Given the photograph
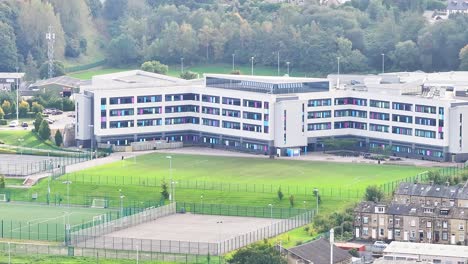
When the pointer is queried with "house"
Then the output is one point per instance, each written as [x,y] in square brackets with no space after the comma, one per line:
[432,253]
[432,194]
[9,80]
[457,6]
[317,252]
[411,222]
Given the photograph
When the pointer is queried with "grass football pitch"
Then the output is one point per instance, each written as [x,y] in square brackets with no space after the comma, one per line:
[226,180]
[42,222]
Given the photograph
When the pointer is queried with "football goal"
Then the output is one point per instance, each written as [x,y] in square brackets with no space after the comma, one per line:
[3,197]
[100,203]
[99,219]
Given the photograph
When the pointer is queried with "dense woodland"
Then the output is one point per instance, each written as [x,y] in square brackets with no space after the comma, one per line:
[309,36]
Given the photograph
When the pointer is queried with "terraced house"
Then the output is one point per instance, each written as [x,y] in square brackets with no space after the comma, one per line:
[419,213]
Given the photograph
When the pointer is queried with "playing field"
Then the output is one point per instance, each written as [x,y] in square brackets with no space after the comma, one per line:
[42,222]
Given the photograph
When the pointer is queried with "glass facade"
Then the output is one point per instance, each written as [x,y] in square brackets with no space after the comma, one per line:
[319,102]
[350,113]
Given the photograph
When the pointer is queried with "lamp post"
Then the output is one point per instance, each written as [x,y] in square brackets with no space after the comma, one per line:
[304,204]
[219,223]
[170,176]
[317,198]
[252,70]
[201,201]
[383,62]
[137,255]
[287,63]
[182,65]
[121,196]
[278,63]
[51,168]
[91,134]
[332,241]
[271,212]
[9,253]
[20,140]
[233,56]
[17,95]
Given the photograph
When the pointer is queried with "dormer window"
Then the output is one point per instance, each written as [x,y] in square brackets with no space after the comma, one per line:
[380,209]
[428,210]
[444,212]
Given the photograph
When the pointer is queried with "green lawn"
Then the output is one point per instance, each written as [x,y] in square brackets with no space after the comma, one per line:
[29,139]
[174,70]
[20,259]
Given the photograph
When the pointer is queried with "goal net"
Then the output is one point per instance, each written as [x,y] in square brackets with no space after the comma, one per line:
[99,203]
[99,219]
[3,197]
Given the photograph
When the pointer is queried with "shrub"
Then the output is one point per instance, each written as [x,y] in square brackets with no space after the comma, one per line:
[164,188]
[188,75]
[38,121]
[280,194]
[2,182]
[3,122]
[374,194]
[23,108]
[2,114]
[37,107]
[44,130]
[58,138]
[291,200]
[155,66]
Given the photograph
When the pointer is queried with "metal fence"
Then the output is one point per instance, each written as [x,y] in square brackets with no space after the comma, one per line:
[18,230]
[95,237]
[29,249]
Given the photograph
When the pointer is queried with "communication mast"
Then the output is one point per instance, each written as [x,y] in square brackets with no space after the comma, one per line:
[50,37]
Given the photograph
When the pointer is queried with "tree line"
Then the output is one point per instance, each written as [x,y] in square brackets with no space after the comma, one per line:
[310,36]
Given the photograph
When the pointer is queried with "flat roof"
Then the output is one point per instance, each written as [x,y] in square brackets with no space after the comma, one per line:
[267,79]
[426,249]
[9,75]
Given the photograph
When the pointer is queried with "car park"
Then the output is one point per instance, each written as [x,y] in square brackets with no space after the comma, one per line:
[14,123]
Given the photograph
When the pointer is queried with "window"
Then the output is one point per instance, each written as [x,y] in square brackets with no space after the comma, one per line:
[379,116]
[444,224]
[397,232]
[181,97]
[121,112]
[182,109]
[461,227]
[210,110]
[121,100]
[149,110]
[210,99]
[365,231]
[413,234]
[444,236]
[103,101]
[379,128]
[231,101]
[318,114]
[397,221]
[149,99]
[121,124]
[381,209]
[402,119]
[319,102]
[350,124]
[424,133]
[381,231]
[379,104]
[231,113]
[210,122]
[429,152]
[425,121]
[182,120]
[231,125]
[319,126]
[425,109]
[352,113]
[413,223]
[402,106]
[251,127]
[251,115]
[365,220]
[428,224]
[252,103]
[402,131]
[350,101]
[149,122]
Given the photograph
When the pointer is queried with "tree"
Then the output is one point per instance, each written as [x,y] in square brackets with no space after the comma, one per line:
[155,66]
[164,189]
[374,194]
[44,130]
[58,138]
[406,56]
[114,9]
[23,109]
[122,50]
[188,75]
[95,7]
[2,114]
[37,108]
[6,106]
[2,182]
[280,194]
[464,58]
[59,70]
[259,253]
[291,200]
[8,51]
[32,73]
[38,122]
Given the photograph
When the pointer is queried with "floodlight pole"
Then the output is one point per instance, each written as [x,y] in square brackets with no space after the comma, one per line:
[121,202]
[252,69]
[383,62]
[201,199]
[9,253]
[17,95]
[287,63]
[137,255]
[332,241]
[278,63]
[233,56]
[317,198]
[171,198]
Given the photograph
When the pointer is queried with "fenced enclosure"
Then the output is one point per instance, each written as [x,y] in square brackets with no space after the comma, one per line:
[22,249]
[21,165]
[157,230]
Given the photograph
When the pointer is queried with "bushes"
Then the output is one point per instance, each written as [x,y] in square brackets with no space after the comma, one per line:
[3,122]
[44,130]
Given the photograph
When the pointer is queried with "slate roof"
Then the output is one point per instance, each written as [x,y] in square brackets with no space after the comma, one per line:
[66,81]
[318,252]
[428,190]
[457,5]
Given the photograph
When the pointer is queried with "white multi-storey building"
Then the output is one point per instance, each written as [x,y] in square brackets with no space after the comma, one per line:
[413,114]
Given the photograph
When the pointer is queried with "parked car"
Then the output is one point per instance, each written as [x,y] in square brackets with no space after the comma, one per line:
[24,124]
[50,121]
[14,123]
[380,244]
